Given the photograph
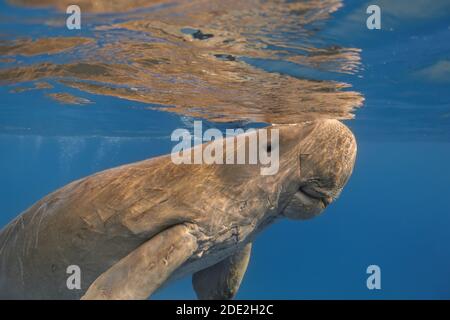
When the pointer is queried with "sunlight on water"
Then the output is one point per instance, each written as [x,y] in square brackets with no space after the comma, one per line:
[189,58]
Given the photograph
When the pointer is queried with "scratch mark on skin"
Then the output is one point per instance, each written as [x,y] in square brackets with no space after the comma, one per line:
[8,235]
[41,211]
[38,211]
[21,270]
[235,233]
[333,148]
[38,230]
[151,266]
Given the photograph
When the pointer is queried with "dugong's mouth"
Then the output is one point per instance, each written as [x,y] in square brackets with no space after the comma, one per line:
[307,202]
[309,194]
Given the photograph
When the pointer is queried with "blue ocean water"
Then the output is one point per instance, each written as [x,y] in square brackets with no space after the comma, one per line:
[394,212]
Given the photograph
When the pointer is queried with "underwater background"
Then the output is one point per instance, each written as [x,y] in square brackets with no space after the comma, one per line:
[74,102]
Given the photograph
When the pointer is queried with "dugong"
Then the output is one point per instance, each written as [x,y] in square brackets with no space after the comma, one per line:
[132,229]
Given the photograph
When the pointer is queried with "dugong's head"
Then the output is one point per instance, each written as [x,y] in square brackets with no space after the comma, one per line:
[325,153]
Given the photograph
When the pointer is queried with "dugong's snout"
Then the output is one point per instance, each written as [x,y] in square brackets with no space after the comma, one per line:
[326,158]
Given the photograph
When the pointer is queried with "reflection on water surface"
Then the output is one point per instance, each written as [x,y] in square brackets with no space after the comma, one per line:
[195,58]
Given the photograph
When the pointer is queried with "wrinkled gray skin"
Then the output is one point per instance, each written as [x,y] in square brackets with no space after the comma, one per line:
[133,228]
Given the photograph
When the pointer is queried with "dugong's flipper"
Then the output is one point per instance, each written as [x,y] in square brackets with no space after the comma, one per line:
[141,272]
[222,280]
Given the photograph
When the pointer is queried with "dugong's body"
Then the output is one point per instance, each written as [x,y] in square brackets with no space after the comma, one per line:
[132,228]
